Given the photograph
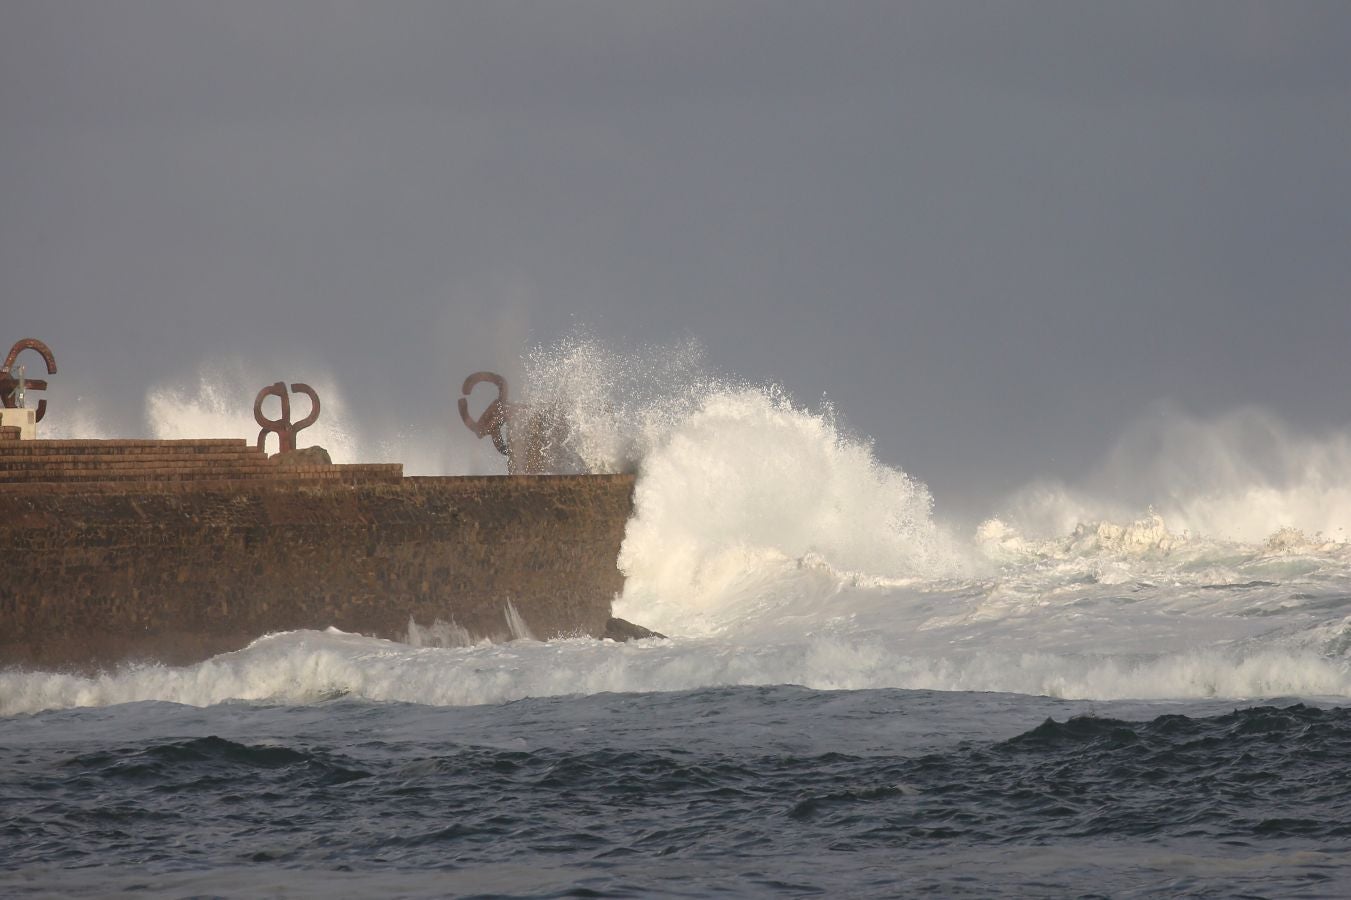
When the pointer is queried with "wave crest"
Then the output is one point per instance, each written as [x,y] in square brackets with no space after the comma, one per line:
[1241,476]
[751,501]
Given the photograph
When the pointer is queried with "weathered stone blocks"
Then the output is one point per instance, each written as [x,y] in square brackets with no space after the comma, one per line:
[174,570]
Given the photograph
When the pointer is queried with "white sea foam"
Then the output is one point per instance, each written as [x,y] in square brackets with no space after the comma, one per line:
[608,408]
[1240,476]
[306,667]
[749,490]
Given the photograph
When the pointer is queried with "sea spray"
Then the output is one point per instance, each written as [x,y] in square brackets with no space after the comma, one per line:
[607,408]
[76,418]
[745,502]
[1240,476]
[219,403]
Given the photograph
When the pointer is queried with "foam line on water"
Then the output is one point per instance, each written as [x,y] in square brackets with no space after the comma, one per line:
[309,667]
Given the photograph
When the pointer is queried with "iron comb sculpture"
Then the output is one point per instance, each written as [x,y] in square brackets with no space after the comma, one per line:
[12,389]
[283,427]
[524,434]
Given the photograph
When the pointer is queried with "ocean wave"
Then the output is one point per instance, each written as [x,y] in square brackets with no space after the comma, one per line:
[313,667]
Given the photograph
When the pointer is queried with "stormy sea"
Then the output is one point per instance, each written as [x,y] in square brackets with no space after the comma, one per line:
[1135,684]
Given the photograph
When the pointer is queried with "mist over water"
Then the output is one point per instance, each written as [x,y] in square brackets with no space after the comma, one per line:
[217,401]
[1242,476]
[220,404]
[612,407]
[1202,558]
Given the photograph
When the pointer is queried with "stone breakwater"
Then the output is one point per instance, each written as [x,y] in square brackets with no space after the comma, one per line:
[174,551]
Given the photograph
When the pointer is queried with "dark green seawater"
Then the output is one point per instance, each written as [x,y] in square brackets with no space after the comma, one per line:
[775,791]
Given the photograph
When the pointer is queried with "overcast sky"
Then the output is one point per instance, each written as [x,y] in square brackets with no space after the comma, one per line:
[992,233]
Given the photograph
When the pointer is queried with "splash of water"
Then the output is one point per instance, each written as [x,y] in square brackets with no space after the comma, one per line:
[220,404]
[752,501]
[743,499]
[607,408]
[78,418]
[1241,476]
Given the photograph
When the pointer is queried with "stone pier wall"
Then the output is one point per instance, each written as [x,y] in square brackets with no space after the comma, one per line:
[93,574]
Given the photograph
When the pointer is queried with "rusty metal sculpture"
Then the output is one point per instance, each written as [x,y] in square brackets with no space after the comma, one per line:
[284,428]
[496,417]
[10,387]
[526,435]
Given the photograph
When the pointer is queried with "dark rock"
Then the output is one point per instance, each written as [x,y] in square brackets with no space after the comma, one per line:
[306,456]
[621,630]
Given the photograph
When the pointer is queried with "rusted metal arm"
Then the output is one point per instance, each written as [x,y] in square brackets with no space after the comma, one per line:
[283,427]
[8,382]
[496,416]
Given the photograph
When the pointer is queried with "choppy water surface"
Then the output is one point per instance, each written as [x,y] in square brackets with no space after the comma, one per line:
[735,790]
[1083,695]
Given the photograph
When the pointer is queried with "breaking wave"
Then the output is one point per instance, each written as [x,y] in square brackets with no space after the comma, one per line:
[751,503]
[1241,476]
[308,667]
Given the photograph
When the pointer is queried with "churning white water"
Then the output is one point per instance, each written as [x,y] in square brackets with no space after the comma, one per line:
[1239,476]
[770,547]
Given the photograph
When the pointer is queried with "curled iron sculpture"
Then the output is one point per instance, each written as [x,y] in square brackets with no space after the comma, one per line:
[495,419]
[526,434]
[9,385]
[283,427]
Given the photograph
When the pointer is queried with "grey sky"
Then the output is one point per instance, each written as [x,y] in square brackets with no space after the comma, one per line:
[992,233]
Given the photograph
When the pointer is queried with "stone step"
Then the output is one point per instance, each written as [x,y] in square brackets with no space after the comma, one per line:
[179,473]
[226,485]
[20,449]
[132,486]
[158,474]
[123,463]
[132,444]
[79,461]
[145,459]
[61,473]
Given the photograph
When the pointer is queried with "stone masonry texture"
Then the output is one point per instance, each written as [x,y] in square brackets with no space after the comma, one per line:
[176,568]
